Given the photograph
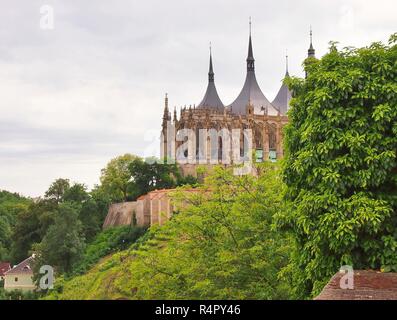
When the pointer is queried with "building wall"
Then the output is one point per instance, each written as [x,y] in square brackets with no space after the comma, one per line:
[22,282]
[267,133]
[154,211]
[156,207]
[120,214]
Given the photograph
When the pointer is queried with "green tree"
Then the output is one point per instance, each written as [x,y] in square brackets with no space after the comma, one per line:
[63,244]
[11,206]
[148,175]
[76,193]
[30,227]
[92,215]
[116,178]
[57,190]
[340,167]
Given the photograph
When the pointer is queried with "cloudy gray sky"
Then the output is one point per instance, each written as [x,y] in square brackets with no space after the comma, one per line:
[92,88]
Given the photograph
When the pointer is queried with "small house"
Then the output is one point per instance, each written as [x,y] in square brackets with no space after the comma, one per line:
[20,277]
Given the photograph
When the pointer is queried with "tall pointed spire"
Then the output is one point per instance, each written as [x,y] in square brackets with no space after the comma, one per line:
[286,64]
[251,96]
[283,97]
[175,115]
[166,114]
[250,57]
[211,70]
[211,98]
[311,53]
[166,110]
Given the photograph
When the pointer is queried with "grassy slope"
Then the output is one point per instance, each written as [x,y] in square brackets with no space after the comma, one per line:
[107,279]
[98,283]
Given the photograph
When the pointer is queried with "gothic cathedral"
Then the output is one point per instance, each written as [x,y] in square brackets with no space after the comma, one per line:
[250,110]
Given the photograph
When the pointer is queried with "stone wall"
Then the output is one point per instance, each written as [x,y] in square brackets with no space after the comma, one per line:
[156,207]
[120,214]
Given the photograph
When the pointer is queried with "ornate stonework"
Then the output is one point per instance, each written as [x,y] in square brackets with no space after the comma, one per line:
[250,110]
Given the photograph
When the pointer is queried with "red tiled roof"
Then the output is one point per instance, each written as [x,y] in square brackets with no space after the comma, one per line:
[24,267]
[367,285]
[4,267]
[160,192]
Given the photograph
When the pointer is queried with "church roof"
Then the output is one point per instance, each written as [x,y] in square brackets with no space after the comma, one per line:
[251,94]
[281,101]
[211,98]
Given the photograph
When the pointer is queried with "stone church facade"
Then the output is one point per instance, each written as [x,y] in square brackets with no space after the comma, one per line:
[251,110]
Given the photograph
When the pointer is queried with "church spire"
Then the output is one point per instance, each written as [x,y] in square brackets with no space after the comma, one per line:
[211,98]
[250,57]
[211,70]
[251,97]
[175,116]
[286,64]
[166,115]
[311,52]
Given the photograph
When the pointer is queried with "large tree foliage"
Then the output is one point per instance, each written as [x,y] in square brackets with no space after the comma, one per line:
[63,244]
[341,167]
[32,224]
[127,177]
[149,174]
[11,205]
[30,227]
[116,178]
[57,190]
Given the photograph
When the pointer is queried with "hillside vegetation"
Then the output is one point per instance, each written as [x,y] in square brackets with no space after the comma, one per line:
[64,226]
[222,245]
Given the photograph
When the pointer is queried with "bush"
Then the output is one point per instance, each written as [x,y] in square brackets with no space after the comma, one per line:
[18,295]
[107,242]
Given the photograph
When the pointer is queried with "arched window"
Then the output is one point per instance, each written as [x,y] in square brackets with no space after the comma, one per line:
[186,152]
[272,137]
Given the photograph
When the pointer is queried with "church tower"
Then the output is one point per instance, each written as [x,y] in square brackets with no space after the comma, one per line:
[164,129]
[311,53]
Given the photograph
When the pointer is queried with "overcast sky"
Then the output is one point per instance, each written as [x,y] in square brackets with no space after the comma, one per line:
[92,88]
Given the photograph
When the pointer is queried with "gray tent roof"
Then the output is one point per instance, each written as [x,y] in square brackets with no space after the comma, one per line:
[251,92]
[211,98]
[281,101]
